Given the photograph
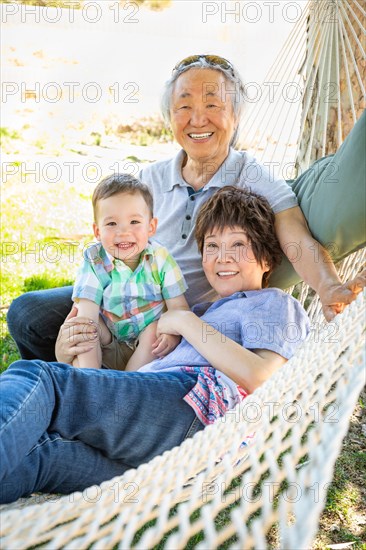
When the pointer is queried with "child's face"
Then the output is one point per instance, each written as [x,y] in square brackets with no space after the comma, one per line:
[124,225]
[229,263]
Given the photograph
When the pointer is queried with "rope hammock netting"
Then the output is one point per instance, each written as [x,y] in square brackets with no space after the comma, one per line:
[213,491]
[314,92]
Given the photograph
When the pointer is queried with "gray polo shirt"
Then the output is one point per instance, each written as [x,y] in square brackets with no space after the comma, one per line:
[177,211]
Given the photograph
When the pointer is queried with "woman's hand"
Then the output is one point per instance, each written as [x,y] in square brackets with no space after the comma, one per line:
[173,321]
[77,335]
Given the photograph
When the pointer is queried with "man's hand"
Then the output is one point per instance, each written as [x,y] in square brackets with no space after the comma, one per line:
[336,297]
[77,335]
[164,344]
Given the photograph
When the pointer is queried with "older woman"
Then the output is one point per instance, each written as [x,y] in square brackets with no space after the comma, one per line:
[203,103]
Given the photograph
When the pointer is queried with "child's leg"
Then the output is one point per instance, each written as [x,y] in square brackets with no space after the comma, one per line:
[105,336]
[143,353]
[116,355]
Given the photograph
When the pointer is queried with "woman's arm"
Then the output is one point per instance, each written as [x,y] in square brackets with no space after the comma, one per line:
[248,369]
[177,303]
[312,262]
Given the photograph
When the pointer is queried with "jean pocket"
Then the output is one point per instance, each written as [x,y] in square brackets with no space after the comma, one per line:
[195,427]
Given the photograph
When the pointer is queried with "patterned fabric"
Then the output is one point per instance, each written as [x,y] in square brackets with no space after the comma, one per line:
[129,300]
[211,397]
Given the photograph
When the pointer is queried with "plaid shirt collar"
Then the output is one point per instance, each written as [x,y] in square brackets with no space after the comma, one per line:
[111,263]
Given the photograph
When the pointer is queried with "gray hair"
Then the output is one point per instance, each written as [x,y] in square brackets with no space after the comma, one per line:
[231,75]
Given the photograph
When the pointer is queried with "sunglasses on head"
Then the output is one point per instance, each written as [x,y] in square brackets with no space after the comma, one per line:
[211,59]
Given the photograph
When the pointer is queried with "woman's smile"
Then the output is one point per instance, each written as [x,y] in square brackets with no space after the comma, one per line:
[227,274]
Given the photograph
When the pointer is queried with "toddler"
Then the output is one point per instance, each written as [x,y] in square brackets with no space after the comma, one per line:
[126,281]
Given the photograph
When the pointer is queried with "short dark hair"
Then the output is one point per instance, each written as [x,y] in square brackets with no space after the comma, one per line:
[121,183]
[233,206]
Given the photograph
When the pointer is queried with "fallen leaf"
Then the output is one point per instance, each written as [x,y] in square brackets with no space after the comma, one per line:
[341,545]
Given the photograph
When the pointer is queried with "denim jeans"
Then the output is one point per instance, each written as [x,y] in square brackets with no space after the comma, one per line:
[64,429]
[34,320]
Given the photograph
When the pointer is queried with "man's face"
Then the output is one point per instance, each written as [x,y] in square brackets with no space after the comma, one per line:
[202,115]
[229,263]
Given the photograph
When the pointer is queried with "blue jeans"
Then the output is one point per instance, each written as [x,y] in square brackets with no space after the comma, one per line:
[64,429]
[35,318]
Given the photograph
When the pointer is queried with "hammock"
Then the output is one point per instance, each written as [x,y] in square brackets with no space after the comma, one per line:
[214,490]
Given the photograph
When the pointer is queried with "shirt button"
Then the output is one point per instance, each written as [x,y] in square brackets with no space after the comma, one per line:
[192,198]
[188,217]
[184,236]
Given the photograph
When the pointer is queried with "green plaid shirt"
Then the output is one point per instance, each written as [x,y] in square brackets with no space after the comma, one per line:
[129,300]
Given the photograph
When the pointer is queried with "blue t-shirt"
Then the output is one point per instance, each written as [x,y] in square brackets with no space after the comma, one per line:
[256,319]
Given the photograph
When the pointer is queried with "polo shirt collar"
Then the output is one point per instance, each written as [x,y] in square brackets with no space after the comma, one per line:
[229,176]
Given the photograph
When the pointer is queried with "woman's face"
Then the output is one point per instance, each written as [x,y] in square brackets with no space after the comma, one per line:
[202,115]
[229,262]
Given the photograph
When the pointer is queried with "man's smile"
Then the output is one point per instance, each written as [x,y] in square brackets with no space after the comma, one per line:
[200,136]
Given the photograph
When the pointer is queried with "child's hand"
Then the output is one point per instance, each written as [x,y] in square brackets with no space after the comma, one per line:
[164,344]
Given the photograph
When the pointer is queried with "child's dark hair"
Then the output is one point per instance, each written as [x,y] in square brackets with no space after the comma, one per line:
[232,206]
[121,183]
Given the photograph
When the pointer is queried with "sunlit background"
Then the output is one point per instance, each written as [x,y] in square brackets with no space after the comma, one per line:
[99,67]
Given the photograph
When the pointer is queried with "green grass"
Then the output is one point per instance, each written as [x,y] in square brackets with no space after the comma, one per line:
[8,349]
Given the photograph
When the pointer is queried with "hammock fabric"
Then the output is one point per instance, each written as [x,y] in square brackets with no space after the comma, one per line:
[214,489]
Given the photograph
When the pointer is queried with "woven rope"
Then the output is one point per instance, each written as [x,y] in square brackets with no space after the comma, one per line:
[325,51]
[302,412]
